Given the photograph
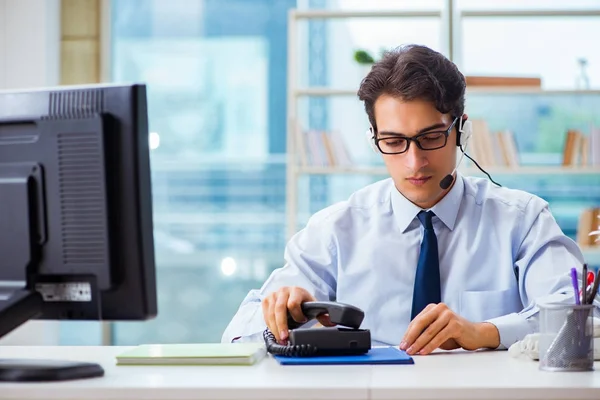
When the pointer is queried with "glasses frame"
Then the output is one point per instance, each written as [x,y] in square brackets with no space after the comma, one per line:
[415,139]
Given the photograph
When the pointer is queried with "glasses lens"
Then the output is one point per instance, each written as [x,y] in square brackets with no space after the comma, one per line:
[393,145]
[433,140]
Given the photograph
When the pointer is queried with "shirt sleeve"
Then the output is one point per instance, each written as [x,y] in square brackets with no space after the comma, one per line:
[310,263]
[543,262]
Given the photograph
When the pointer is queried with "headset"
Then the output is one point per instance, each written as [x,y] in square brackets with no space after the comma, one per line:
[464,133]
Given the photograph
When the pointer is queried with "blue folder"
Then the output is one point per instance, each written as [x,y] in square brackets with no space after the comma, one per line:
[378,355]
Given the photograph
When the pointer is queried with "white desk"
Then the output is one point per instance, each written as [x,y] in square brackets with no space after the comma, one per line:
[485,375]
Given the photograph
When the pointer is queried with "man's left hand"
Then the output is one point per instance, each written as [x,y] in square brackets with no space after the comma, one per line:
[437,326]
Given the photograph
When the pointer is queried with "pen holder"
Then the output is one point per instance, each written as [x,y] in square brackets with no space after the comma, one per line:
[566,337]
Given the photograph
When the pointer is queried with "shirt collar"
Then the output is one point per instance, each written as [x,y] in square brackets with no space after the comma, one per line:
[446,209]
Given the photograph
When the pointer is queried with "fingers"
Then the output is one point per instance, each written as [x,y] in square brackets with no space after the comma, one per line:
[268,308]
[444,336]
[272,306]
[419,323]
[426,309]
[278,305]
[280,311]
[430,333]
[294,305]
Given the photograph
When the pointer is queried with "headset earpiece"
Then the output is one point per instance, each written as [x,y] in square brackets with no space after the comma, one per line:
[463,134]
[371,138]
[465,130]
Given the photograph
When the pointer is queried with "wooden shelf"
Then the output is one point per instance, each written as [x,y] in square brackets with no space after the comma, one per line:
[526,170]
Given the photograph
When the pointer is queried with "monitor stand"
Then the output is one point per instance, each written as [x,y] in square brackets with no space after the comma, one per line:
[20,306]
[32,370]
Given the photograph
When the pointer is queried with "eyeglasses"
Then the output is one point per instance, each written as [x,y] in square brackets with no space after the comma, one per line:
[425,141]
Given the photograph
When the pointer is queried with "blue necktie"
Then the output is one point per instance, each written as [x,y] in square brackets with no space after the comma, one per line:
[427,277]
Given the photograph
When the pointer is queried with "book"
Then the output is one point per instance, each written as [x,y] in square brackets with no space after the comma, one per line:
[596,233]
[193,354]
[594,146]
[504,81]
[585,225]
[377,355]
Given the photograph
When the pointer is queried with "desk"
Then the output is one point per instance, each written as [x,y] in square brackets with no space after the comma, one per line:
[462,375]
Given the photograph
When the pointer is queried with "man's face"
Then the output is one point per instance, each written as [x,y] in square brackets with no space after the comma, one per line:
[416,173]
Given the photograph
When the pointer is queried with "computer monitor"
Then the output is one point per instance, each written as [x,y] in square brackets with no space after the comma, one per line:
[76,232]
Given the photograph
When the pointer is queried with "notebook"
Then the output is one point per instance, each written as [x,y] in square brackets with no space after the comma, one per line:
[377,355]
[193,354]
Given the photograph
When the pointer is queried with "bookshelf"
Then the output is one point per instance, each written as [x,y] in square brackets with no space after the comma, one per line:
[299,168]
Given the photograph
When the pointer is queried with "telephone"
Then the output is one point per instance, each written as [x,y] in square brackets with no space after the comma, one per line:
[347,339]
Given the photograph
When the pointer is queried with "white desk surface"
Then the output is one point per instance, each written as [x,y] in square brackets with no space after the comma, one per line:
[455,375]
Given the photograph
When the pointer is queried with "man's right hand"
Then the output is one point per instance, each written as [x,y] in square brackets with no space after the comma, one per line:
[275,309]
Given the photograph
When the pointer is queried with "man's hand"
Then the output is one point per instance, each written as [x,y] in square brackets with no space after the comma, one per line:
[275,309]
[439,327]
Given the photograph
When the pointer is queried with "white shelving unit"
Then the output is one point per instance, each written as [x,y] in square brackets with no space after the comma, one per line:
[451,20]
[295,91]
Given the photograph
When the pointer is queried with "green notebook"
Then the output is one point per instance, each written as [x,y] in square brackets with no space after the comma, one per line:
[193,354]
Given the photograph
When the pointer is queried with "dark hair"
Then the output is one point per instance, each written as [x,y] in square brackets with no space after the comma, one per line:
[413,72]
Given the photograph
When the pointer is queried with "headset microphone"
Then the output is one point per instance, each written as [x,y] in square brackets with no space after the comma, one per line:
[446,182]
[448,179]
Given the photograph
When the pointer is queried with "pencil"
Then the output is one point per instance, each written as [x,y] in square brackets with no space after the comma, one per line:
[584,284]
[575,284]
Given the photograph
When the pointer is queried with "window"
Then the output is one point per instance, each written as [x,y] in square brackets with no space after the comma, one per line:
[216,76]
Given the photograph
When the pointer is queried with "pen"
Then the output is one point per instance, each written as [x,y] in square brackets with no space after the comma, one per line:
[589,284]
[575,285]
[584,284]
[594,289]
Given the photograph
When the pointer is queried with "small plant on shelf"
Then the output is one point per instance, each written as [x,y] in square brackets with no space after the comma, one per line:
[363,57]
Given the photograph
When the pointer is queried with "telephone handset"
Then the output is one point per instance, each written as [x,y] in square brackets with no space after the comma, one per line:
[346,339]
[339,313]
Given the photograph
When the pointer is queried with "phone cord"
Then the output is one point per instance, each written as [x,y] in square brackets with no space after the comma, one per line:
[297,350]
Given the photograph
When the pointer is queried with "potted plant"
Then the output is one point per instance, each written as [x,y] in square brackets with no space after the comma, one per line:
[363,57]
[365,60]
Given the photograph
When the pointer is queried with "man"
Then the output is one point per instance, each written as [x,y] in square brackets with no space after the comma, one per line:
[434,261]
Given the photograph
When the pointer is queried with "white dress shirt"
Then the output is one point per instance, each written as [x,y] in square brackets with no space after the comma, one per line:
[500,252]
